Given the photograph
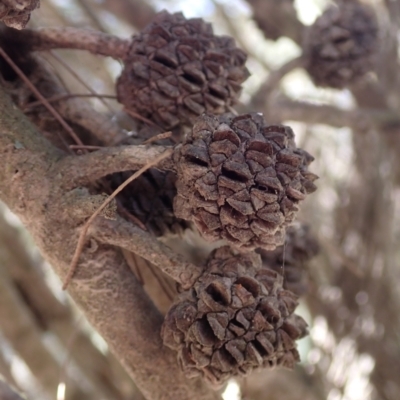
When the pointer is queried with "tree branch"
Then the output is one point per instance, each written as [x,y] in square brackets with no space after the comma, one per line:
[82,170]
[104,287]
[71,38]
[282,108]
[130,237]
[51,315]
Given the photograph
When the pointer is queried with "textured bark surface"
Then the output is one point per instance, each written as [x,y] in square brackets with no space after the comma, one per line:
[104,287]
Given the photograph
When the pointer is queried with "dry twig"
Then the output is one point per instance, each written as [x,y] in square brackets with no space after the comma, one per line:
[36,92]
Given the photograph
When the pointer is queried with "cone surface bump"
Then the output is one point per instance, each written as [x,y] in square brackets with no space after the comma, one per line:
[176,69]
[236,318]
[241,180]
[342,45]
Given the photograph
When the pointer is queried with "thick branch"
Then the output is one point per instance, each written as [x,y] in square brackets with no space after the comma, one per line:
[281,108]
[103,287]
[71,38]
[84,169]
[52,315]
[130,237]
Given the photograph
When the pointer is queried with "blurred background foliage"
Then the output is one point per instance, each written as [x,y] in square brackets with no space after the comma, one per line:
[49,351]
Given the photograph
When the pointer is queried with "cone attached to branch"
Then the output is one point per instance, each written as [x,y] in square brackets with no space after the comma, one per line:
[16,13]
[241,180]
[342,44]
[176,69]
[236,317]
[291,259]
[149,198]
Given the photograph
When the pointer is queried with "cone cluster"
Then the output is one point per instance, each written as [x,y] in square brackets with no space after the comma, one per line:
[176,69]
[237,179]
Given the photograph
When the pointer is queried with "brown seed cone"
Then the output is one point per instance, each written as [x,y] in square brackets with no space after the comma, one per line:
[291,259]
[342,44]
[16,13]
[241,180]
[236,317]
[149,198]
[176,69]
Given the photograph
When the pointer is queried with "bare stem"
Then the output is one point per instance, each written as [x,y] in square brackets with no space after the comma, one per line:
[72,38]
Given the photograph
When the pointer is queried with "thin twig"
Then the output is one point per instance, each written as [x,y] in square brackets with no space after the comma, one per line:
[84,147]
[36,92]
[140,118]
[60,97]
[82,236]
[130,216]
[263,94]
[79,79]
[160,136]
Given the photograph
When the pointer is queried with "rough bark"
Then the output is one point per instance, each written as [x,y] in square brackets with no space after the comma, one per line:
[24,277]
[103,287]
